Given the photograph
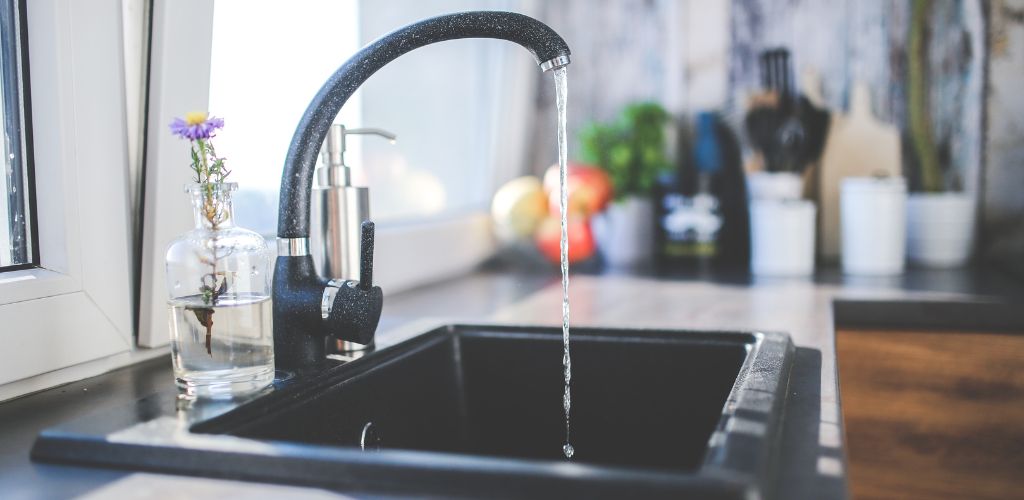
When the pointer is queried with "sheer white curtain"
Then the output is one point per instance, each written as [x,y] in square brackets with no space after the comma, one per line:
[461,110]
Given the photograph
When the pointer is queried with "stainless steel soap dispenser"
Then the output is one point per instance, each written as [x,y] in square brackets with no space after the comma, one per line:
[339,208]
[338,211]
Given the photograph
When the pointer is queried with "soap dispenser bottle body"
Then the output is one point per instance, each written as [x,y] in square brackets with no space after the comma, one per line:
[338,213]
[339,208]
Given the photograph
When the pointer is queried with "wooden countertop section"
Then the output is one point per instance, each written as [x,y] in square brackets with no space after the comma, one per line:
[933,414]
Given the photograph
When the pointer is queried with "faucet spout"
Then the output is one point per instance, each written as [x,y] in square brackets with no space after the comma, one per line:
[308,308]
[547,47]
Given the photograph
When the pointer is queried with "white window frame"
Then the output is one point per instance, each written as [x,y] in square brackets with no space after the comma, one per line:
[179,82]
[72,316]
[444,247]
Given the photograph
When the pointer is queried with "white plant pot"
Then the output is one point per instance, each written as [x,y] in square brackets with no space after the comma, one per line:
[624,231]
[940,229]
[782,237]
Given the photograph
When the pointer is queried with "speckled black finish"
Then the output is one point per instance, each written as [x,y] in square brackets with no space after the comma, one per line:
[366,255]
[299,329]
[356,312]
[297,179]
[458,413]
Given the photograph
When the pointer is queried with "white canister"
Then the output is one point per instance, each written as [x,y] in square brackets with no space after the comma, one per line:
[782,237]
[873,225]
[624,231]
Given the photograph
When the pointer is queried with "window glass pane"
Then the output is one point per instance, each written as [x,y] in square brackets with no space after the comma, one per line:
[442,101]
[15,232]
[268,62]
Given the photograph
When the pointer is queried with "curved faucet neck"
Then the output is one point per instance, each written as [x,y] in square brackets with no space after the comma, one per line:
[547,47]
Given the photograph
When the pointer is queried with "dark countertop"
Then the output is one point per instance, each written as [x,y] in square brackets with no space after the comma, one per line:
[808,309]
[470,298]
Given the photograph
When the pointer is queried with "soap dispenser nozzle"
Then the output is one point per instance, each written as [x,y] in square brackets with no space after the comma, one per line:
[335,172]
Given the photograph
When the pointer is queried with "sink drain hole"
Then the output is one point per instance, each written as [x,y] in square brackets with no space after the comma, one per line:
[370,439]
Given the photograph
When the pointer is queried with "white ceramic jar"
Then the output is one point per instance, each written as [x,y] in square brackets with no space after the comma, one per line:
[782,225]
[782,237]
[873,225]
[624,231]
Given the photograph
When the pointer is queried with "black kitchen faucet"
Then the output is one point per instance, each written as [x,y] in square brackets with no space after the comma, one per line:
[307,307]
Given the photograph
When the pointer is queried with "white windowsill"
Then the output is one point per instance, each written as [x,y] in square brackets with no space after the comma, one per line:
[49,380]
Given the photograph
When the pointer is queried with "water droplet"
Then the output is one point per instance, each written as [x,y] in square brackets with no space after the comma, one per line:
[568,450]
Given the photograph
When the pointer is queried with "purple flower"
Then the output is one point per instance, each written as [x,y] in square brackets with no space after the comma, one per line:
[196,125]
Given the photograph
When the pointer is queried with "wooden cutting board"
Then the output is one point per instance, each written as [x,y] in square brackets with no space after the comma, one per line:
[857,145]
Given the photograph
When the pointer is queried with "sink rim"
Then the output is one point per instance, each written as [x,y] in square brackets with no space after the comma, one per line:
[739,454]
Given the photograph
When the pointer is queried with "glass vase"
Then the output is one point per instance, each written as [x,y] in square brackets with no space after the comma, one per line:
[218,281]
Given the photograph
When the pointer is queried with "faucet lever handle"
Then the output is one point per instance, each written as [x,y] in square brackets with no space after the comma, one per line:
[366,232]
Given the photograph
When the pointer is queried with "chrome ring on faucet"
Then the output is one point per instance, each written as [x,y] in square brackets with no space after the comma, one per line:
[292,247]
[555,63]
[330,291]
[327,299]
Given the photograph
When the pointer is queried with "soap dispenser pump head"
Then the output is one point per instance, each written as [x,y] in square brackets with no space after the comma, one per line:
[334,145]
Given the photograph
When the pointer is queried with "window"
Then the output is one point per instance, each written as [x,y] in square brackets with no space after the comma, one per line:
[458,108]
[69,305]
[262,84]
[449,134]
[17,248]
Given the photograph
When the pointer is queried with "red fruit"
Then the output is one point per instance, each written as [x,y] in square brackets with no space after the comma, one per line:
[581,239]
[590,188]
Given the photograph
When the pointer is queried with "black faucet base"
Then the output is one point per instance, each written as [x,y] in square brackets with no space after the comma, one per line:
[299,323]
[298,334]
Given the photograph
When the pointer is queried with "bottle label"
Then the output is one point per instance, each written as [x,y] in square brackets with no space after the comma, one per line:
[690,224]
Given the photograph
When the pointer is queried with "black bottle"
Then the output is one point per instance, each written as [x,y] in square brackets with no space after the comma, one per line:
[701,209]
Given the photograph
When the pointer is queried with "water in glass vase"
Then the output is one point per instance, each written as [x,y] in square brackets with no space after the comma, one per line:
[224,349]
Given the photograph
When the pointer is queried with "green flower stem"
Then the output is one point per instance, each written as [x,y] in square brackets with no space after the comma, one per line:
[203,158]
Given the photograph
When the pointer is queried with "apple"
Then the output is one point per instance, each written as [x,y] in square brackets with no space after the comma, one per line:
[518,207]
[590,188]
[581,239]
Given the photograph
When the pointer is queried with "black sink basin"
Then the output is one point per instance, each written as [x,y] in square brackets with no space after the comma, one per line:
[476,410]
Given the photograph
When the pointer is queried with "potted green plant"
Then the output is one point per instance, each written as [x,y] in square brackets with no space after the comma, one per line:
[633,150]
[940,217]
